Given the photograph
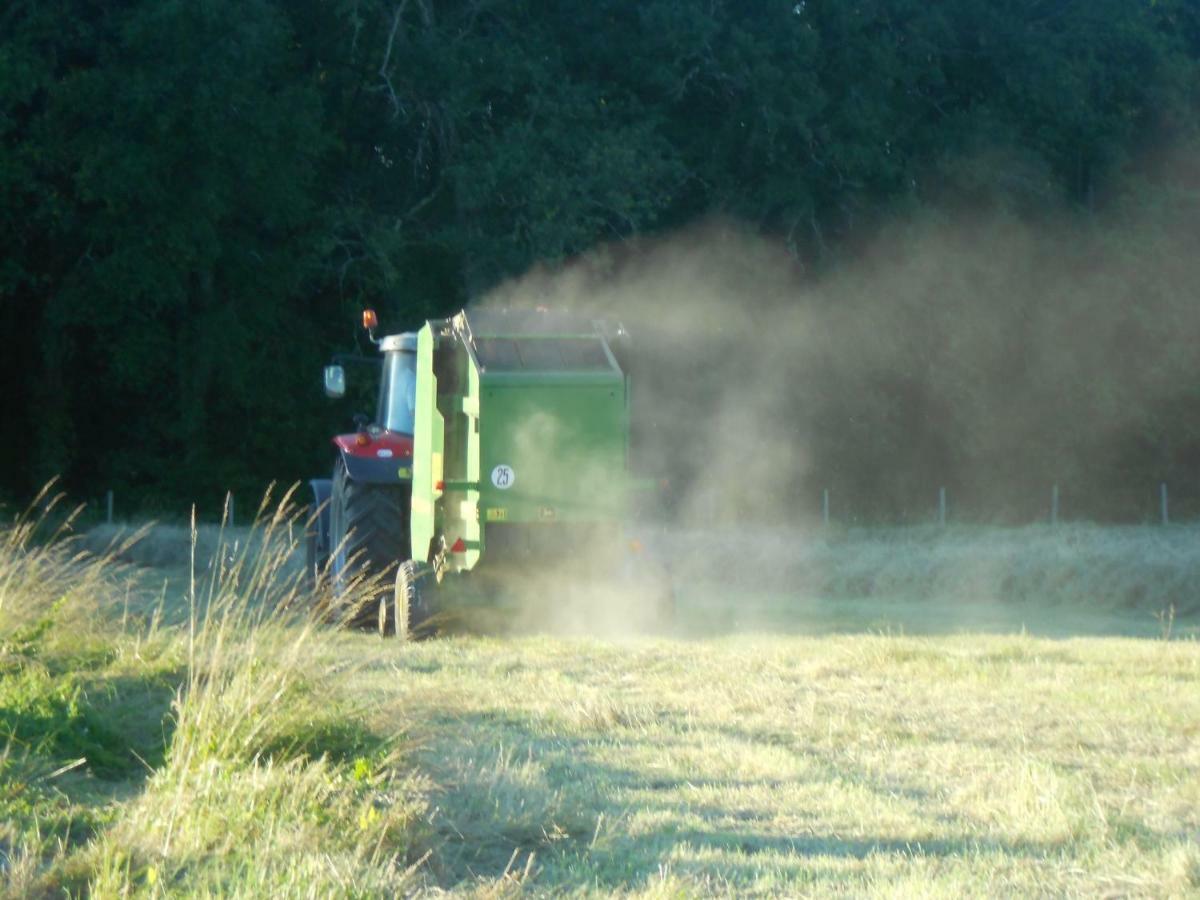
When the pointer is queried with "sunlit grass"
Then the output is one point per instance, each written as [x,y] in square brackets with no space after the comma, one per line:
[855,764]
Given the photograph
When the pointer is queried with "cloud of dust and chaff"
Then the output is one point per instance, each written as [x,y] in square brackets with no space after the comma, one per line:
[977,352]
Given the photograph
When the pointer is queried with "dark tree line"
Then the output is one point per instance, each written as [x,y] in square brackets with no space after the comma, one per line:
[197,195]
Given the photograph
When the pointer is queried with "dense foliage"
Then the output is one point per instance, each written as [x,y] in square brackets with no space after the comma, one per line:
[196,195]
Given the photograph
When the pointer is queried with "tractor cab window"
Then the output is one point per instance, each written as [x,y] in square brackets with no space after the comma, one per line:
[398,392]
[542,354]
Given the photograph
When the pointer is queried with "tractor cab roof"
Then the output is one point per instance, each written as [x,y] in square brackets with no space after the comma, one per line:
[406,343]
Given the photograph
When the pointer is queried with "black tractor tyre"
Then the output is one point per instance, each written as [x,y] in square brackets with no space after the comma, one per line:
[369,534]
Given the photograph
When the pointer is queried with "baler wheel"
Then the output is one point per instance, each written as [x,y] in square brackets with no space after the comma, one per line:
[407,598]
[368,532]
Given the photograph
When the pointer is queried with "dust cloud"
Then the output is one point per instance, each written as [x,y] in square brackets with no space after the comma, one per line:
[980,353]
[987,356]
[715,332]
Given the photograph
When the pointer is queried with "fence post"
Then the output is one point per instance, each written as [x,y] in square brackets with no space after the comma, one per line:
[108,500]
[942,506]
[1162,494]
[1054,505]
[825,507]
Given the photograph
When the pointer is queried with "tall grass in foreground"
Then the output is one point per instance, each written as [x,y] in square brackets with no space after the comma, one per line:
[209,756]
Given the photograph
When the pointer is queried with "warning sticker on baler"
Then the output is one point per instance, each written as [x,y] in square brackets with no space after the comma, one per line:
[503,477]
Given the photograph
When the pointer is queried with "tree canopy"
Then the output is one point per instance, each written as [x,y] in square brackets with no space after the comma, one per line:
[197,195]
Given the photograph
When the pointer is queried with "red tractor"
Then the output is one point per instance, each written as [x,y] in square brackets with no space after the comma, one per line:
[361,513]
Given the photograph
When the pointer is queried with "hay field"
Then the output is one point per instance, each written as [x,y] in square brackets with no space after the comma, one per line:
[857,765]
[827,726]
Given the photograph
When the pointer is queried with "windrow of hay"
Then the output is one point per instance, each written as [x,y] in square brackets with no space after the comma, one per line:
[208,756]
[1144,568]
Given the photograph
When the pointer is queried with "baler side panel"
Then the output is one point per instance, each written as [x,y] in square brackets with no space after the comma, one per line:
[458,506]
[566,445]
[428,448]
[472,527]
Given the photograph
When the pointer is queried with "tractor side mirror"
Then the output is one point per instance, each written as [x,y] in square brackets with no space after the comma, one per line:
[335,382]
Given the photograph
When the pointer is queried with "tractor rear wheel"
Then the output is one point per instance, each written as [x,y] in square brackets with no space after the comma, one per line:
[368,537]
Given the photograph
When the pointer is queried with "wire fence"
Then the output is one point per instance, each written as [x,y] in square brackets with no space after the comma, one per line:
[1157,509]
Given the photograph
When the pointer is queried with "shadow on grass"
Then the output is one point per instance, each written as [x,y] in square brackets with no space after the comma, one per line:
[491,815]
[115,728]
[74,745]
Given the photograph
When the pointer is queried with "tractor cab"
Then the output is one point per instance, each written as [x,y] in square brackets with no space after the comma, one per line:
[398,384]
[394,411]
[361,512]
[373,454]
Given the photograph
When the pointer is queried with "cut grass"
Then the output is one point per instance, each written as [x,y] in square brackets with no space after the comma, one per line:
[855,764]
[160,740]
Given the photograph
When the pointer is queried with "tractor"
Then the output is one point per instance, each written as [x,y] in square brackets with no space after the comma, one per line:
[498,458]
